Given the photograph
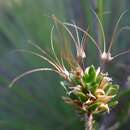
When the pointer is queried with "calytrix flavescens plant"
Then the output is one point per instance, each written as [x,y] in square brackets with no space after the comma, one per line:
[90,90]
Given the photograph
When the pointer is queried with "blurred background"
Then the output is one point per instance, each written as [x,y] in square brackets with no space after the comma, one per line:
[34,102]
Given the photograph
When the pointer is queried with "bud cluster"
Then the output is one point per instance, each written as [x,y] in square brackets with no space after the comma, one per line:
[90,91]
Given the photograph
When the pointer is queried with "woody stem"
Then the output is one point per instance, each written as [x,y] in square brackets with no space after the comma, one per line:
[89,121]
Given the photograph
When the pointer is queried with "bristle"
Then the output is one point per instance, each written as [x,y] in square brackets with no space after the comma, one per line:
[83,41]
[69,57]
[115,30]
[66,28]
[36,46]
[77,34]
[52,46]
[121,53]
[40,49]
[87,34]
[102,30]
[29,72]
[40,56]
[67,52]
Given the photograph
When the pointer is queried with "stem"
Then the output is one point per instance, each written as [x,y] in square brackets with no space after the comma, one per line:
[88,121]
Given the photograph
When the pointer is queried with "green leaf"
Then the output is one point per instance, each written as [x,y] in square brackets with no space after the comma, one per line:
[112,89]
[94,86]
[93,106]
[90,75]
[113,103]
[82,97]
[92,72]
[91,86]
[86,79]
[99,78]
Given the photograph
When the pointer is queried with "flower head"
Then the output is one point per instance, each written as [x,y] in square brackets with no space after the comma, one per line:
[92,93]
[90,90]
